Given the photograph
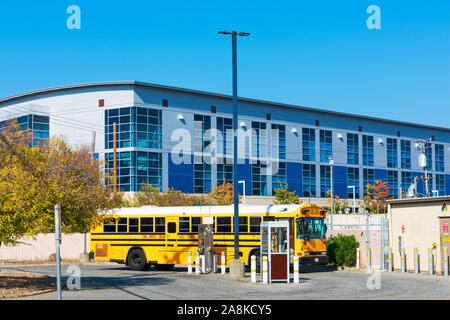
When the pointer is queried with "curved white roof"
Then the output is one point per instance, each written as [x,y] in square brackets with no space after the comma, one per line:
[151,210]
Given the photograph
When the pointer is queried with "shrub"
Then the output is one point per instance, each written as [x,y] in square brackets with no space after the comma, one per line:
[341,250]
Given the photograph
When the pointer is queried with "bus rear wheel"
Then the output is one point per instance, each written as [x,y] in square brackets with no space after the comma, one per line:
[164,267]
[137,260]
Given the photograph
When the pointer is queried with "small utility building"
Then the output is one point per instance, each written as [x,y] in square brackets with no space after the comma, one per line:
[421,223]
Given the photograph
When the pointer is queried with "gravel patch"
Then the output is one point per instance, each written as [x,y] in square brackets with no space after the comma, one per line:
[20,284]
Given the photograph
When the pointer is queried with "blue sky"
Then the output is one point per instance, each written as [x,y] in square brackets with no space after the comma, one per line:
[310,53]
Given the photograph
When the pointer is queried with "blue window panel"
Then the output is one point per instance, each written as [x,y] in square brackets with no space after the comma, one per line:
[181,176]
[447,184]
[420,183]
[340,181]
[294,177]
[245,173]
[381,175]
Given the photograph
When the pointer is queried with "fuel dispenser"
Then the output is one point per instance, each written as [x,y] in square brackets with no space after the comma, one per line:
[205,247]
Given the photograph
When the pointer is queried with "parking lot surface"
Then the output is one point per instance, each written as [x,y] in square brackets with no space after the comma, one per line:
[118,282]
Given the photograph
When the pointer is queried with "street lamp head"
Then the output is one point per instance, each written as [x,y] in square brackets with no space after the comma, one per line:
[244,34]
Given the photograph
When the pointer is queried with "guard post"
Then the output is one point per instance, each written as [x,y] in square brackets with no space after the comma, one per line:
[275,246]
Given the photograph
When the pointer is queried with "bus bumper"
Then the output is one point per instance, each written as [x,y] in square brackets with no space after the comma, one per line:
[314,260]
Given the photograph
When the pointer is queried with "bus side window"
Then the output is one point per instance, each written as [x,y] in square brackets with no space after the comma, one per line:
[223,224]
[195,221]
[146,224]
[183,225]
[270,218]
[243,224]
[255,223]
[109,225]
[122,225]
[133,224]
[160,224]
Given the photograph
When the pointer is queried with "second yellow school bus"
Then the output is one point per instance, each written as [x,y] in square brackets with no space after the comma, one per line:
[163,236]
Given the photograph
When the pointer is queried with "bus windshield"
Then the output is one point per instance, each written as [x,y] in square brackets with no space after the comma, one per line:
[311,228]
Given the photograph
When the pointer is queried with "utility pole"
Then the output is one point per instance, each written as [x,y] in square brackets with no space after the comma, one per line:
[58,244]
[236,264]
[425,164]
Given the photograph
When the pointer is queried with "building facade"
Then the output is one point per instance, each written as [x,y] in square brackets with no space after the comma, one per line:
[179,138]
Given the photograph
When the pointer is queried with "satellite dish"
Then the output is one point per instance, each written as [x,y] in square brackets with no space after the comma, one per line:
[422,160]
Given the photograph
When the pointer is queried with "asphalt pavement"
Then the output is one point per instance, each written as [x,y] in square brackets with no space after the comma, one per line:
[118,282]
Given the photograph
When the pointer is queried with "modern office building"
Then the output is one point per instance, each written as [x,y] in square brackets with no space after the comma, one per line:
[181,138]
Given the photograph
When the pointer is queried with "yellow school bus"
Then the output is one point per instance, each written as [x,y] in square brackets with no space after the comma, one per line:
[163,236]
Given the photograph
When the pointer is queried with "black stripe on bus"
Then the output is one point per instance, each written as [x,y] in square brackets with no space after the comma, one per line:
[175,240]
[162,245]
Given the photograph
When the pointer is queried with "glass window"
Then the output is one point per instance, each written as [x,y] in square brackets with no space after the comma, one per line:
[243,224]
[279,176]
[353,180]
[278,141]
[259,178]
[391,149]
[225,136]
[406,182]
[368,151]
[146,224]
[311,228]
[160,224]
[195,222]
[392,180]
[309,144]
[223,224]
[405,154]
[133,225]
[368,178]
[255,223]
[326,145]
[352,148]
[259,139]
[132,123]
[325,180]
[184,224]
[440,184]
[309,180]
[135,168]
[428,154]
[109,225]
[439,157]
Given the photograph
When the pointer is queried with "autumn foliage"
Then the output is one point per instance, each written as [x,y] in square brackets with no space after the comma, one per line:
[33,179]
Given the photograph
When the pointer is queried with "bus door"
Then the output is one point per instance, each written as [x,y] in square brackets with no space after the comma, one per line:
[171,232]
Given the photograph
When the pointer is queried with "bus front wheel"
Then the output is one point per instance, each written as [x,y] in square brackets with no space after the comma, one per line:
[137,260]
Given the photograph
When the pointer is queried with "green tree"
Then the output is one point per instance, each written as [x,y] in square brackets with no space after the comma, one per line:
[284,196]
[33,179]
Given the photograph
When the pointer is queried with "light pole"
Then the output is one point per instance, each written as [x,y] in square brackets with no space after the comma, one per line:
[330,161]
[235,141]
[243,189]
[354,200]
